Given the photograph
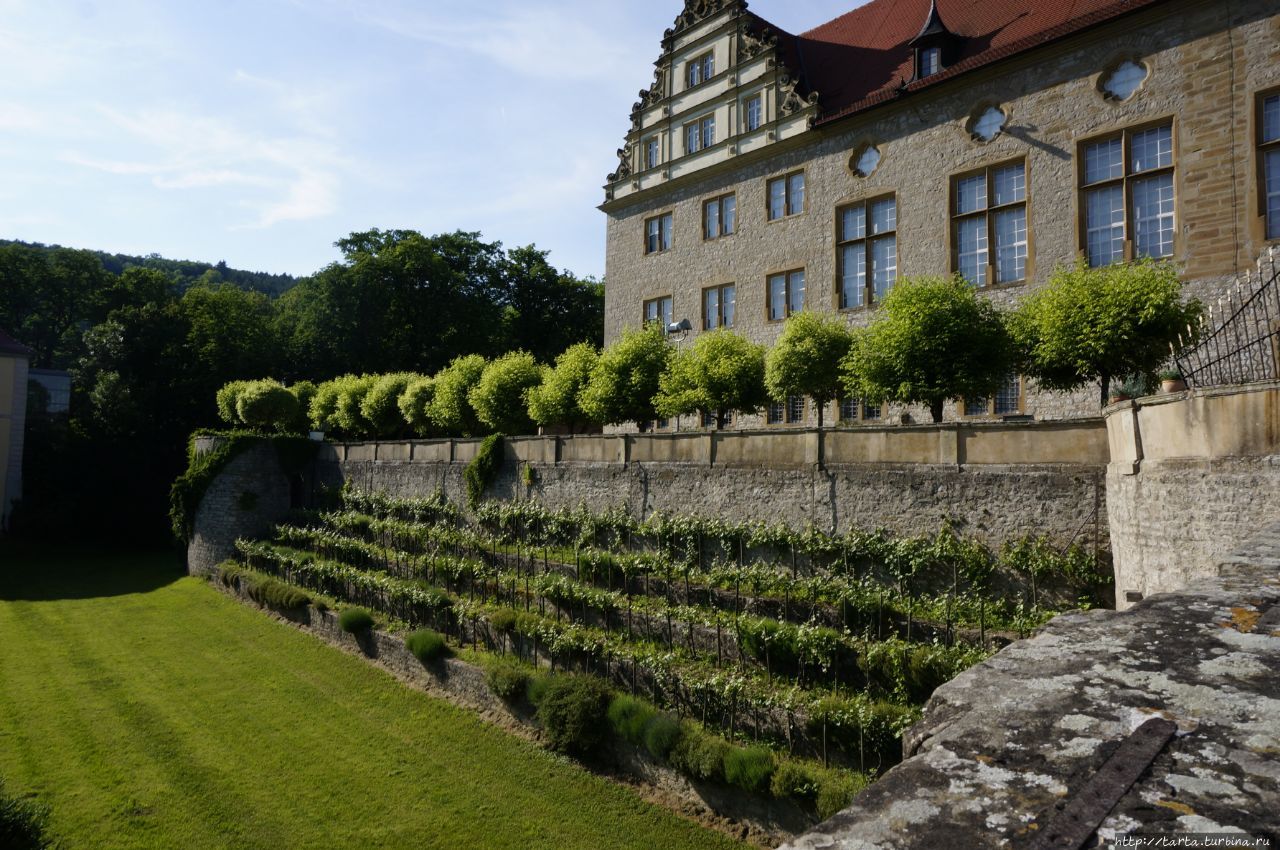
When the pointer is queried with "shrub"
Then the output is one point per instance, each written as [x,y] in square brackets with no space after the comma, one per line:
[415,404]
[699,754]
[722,373]
[274,593]
[932,339]
[555,400]
[628,716]
[507,678]
[1098,324]
[538,685]
[355,620]
[625,378]
[267,406]
[504,620]
[572,714]
[450,409]
[501,397]
[427,646]
[797,780]
[749,769]
[836,791]
[380,407]
[22,824]
[227,399]
[483,468]
[661,736]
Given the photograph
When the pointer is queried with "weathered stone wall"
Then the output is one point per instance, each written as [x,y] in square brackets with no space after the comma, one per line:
[1192,475]
[1006,744]
[1207,62]
[247,499]
[995,503]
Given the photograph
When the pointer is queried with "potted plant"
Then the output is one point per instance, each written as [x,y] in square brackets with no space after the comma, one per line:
[1171,381]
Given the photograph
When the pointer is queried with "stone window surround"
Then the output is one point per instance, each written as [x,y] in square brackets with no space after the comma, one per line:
[869,301]
[1260,149]
[700,125]
[953,247]
[1126,132]
[784,412]
[861,407]
[962,405]
[720,199]
[720,289]
[698,63]
[644,309]
[671,231]
[786,204]
[786,275]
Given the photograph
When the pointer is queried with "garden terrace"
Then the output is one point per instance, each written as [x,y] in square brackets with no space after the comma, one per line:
[821,645]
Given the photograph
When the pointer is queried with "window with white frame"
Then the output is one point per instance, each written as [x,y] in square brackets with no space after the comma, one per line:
[718,305]
[786,195]
[786,294]
[658,310]
[657,234]
[1126,79]
[700,134]
[989,225]
[651,152]
[753,113]
[867,251]
[1127,195]
[930,61]
[1269,153]
[719,216]
[701,69]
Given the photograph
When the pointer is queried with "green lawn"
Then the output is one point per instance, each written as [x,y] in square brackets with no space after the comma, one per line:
[148,710]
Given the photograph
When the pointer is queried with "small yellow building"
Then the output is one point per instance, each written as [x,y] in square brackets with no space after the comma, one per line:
[15,359]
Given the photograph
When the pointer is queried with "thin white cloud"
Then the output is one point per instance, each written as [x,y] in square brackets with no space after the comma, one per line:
[297,178]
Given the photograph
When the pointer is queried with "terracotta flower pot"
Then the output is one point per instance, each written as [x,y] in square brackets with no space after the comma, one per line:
[1175,386]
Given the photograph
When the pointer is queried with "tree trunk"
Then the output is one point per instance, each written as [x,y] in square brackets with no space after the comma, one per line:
[820,404]
[935,409]
[1106,389]
[720,419]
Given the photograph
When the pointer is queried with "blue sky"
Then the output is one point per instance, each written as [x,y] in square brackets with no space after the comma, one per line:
[260,131]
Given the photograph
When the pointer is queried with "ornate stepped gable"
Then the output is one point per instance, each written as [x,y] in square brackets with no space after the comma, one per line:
[755,38]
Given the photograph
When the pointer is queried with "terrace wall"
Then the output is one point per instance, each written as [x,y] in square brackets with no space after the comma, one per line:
[992,481]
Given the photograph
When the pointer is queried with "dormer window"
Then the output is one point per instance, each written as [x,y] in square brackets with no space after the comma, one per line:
[930,61]
[701,69]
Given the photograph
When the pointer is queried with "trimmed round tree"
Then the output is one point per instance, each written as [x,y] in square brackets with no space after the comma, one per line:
[267,406]
[324,404]
[381,405]
[348,413]
[1098,324]
[806,359]
[450,409]
[625,379]
[227,399]
[501,398]
[932,339]
[415,406]
[555,400]
[721,373]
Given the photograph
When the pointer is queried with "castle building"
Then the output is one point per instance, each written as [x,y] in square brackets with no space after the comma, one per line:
[766,173]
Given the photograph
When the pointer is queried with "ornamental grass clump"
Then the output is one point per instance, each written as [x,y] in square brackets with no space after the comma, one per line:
[699,754]
[273,593]
[22,824]
[572,714]
[750,769]
[427,646]
[661,734]
[507,678]
[629,716]
[355,620]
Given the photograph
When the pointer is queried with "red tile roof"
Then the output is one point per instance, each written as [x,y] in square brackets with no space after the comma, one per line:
[9,345]
[865,57]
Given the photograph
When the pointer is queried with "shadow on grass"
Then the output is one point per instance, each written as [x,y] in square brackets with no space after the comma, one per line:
[30,573]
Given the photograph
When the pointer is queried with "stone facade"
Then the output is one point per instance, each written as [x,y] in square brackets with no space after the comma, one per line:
[1008,743]
[1206,65]
[1192,475]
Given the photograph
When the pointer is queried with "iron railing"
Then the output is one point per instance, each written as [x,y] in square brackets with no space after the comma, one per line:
[1238,341]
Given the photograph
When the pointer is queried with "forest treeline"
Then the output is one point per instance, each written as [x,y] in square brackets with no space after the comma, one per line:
[148,348]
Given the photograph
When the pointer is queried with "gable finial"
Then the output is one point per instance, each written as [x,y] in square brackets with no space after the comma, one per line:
[933,24]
